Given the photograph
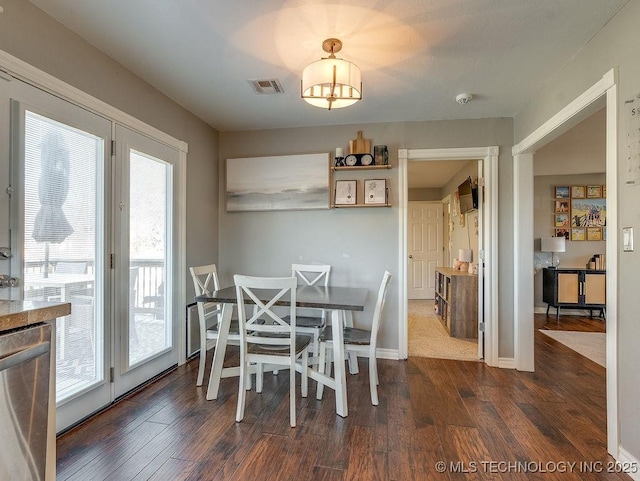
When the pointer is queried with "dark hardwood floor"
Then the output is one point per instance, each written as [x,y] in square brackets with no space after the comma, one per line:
[430,410]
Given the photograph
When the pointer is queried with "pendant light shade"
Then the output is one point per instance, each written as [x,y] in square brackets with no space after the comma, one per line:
[331,82]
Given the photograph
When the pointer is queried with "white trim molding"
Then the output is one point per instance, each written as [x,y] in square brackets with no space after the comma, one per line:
[489,158]
[523,154]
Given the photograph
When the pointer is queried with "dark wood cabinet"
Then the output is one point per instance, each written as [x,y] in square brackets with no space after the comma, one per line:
[456,302]
[576,288]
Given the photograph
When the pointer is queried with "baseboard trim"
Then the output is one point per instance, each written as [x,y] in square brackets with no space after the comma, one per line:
[629,464]
[388,354]
[570,312]
[506,363]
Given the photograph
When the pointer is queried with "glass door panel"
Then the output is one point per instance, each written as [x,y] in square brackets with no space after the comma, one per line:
[61,259]
[149,332]
[145,266]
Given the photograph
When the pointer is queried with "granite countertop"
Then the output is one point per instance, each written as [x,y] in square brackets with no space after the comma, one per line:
[14,314]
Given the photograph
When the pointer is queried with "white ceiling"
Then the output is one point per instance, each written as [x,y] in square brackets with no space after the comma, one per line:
[432,174]
[415,55]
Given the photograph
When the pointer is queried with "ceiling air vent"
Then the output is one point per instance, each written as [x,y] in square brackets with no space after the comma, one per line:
[267,86]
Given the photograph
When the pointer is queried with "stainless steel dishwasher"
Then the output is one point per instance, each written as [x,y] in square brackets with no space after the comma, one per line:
[24,402]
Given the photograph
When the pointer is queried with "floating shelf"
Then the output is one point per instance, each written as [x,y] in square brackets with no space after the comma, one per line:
[349,206]
[361,167]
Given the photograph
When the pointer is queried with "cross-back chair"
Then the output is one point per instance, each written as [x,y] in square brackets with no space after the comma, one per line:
[266,337]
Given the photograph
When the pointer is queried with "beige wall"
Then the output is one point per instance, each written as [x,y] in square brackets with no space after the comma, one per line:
[35,38]
[463,235]
[424,195]
[616,46]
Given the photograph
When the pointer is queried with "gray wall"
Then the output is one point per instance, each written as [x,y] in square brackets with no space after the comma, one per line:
[616,45]
[35,38]
[359,243]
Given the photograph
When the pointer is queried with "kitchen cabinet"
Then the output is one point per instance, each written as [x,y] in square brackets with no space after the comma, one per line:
[574,288]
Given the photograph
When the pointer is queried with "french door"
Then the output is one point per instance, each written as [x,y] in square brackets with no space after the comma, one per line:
[90,222]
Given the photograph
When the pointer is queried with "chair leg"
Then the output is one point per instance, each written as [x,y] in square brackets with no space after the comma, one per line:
[259,377]
[203,360]
[321,357]
[305,373]
[292,394]
[373,379]
[241,392]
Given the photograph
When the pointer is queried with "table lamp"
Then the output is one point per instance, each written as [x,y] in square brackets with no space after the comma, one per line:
[553,245]
[465,256]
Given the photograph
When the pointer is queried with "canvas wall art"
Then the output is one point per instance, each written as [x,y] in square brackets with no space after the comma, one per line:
[286,182]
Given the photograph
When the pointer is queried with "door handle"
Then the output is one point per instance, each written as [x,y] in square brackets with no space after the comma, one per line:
[22,356]
[410,256]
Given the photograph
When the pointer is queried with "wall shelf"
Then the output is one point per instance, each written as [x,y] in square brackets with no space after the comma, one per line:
[342,206]
[362,167]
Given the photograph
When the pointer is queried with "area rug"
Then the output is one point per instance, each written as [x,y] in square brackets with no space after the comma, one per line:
[429,338]
[591,345]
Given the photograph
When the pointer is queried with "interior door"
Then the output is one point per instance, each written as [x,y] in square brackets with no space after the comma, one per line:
[425,248]
[144,258]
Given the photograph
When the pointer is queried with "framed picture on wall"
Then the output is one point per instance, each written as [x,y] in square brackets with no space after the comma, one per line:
[604,191]
[562,233]
[562,220]
[562,206]
[577,234]
[578,192]
[594,191]
[588,212]
[594,234]
[562,192]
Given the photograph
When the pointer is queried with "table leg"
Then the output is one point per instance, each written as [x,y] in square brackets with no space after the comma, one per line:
[219,352]
[340,377]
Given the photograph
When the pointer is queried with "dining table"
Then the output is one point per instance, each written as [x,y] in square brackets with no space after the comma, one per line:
[340,302]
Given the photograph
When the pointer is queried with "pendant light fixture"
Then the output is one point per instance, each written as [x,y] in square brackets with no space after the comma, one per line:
[331,83]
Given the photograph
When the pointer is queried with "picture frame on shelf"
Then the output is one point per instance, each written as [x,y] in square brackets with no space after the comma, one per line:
[562,220]
[375,191]
[578,192]
[346,192]
[563,233]
[594,191]
[594,233]
[577,234]
[562,192]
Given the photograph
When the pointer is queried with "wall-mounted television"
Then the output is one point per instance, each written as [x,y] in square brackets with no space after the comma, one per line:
[468,195]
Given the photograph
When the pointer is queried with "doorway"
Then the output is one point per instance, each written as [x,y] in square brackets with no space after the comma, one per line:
[487,245]
[604,91]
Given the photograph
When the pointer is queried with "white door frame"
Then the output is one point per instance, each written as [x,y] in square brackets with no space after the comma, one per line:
[487,245]
[523,236]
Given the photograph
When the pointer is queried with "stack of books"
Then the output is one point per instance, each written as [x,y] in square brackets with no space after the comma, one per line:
[597,262]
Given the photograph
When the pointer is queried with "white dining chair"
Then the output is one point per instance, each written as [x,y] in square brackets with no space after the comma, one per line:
[360,342]
[274,342]
[205,281]
[308,320]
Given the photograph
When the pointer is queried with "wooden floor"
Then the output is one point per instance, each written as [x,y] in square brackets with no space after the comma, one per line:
[430,411]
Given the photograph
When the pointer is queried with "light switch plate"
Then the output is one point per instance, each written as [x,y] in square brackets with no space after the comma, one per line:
[627,239]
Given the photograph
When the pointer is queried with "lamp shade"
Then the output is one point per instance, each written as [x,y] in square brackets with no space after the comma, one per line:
[465,255]
[552,244]
[331,83]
